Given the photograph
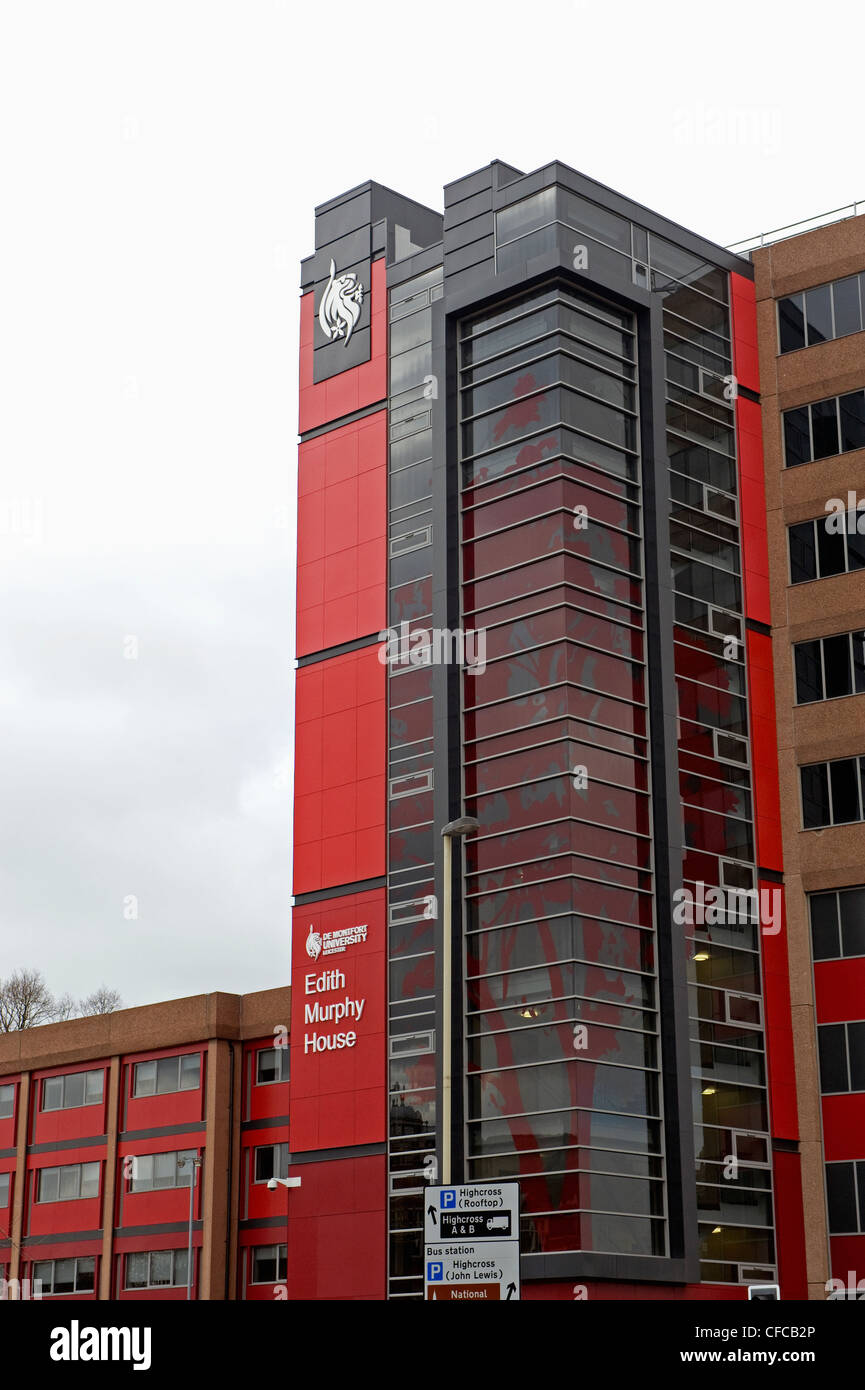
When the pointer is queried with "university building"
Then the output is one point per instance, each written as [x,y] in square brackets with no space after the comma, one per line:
[579,897]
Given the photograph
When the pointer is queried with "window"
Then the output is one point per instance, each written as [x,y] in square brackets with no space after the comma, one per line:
[271,1161]
[168,1074]
[824,428]
[842,1057]
[5,1181]
[70,1183]
[271,1065]
[268,1264]
[817,315]
[830,667]
[66,1276]
[156,1269]
[838,923]
[73,1090]
[7,1102]
[818,552]
[832,792]
[845,1191]
[150,1172]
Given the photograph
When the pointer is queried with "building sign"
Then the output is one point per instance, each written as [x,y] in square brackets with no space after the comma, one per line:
[472,1238]
[340,305]
[338,1041]
[331,1010]
[329,943]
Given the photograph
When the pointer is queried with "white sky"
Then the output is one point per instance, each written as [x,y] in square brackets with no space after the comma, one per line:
[159,166]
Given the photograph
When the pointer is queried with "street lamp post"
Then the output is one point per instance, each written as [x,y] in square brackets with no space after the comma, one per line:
[195,1163]
[454,830]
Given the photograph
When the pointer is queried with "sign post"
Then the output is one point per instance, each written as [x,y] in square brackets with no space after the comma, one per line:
[472,1243]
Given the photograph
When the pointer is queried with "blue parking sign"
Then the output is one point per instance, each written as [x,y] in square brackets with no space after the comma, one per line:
[434,1271]
[448,1197]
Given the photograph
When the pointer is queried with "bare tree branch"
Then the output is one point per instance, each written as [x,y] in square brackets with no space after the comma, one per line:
[26,1002]
[102,1001]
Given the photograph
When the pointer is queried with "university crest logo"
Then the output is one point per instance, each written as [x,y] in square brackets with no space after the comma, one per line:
[340,305]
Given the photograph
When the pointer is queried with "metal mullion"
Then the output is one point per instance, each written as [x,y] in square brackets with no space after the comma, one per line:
[695,409]
[633,499]
[580,878]
[552,608]
[554,776]
[554,916]
[479,454]
[622,700]
[479,1014]
[556,349]
[553,386]
[508,569]
[551,743]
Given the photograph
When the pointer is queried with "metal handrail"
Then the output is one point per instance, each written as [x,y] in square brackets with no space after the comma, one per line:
[823,219]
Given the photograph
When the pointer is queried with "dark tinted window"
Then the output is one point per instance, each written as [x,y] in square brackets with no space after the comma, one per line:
[833,1058]
[836,664]
[830,550]
[825,935]
[852,421]
[791,323]
[803,553]
[809,679]
[841,1194]
[856,1055]
[818,314]
[815,795]
[848,317]
[797,437]
[824,426]
[844,783]
[852,909]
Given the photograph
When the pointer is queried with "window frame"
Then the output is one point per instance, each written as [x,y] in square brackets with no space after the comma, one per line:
[62,1079]
[76,1287]
[283,1066]
[828,763]
[66,1167]
[280,1150]
[177,1058]
[174,1282]
[281,1264]
[134,1184]
[800,294]
[7,1086]
[846,1024]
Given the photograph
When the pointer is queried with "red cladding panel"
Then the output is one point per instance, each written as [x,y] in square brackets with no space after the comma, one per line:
[743,305]
[342,535]
[171,1108]
[790,1224]
[339,780]
[779,1020]
[847,1258]
[752,502]
[840,989]
[56,1126]
[351,390]
[767,799]
[338,1053]
[337,1229]
[844,1127]
[265,1099]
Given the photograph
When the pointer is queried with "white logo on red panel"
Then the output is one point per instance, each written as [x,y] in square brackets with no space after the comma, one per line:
[339,309]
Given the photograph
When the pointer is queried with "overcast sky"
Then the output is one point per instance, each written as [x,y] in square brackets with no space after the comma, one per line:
[159,166]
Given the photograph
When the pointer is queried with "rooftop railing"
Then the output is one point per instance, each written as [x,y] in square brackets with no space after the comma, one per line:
[810,224]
